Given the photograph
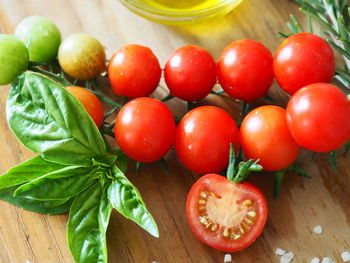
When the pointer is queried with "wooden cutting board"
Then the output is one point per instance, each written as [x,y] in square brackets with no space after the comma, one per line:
[324,200]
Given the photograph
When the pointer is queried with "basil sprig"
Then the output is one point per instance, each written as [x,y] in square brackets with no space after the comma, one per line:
[74,171]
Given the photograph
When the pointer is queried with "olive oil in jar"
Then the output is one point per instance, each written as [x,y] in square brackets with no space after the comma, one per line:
[183,5]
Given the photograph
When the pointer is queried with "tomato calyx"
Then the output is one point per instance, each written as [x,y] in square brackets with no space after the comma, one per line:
[239,173]
[279,176]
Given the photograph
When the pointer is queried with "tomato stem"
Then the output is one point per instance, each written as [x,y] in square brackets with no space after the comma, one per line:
[166,98]
[332,157]
[277,182]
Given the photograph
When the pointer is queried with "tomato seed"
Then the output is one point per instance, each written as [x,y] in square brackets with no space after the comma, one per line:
[247,202]
[252,214]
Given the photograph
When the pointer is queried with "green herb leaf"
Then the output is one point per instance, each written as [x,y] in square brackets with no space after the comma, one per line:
[27,171]
[44,207]
[87,225]
[125,198]
[61,184]
[49,120]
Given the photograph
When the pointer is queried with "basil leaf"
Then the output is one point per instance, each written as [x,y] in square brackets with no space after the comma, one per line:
[61,184]
[43,207]
[87,225]
[49,120]
[122,162]
[27,171]
[125,198]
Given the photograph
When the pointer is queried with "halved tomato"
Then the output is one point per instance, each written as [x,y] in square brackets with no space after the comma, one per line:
[225,215]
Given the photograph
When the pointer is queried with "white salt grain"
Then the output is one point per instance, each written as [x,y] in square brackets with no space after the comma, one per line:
[227,258]
[326,260]
[315,260]
[287,258]
[318,230]
[345,256]
[280,252]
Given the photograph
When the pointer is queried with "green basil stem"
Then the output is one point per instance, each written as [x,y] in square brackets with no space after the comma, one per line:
[277,182]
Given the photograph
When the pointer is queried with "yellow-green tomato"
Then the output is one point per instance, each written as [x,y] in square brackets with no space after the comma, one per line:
[82,56]
[41,36]
[13,58]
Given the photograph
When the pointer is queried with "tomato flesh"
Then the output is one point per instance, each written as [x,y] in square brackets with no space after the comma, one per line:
[225,215]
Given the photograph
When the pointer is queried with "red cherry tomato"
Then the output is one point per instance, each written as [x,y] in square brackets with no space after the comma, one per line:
[264,135]
[245,70]
[203,139]
[225,215]
[134,71]
[145,129]
[318,117]
[303,59]
[190,73]
[90,102]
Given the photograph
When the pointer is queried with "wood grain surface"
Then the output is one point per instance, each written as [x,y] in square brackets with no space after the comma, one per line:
[324,200]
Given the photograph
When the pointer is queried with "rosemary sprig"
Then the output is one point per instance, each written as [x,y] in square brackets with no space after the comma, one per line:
[334,18]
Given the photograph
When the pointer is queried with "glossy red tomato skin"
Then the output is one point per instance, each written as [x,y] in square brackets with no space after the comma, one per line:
[264,135]
[217,184]
[245,70]
[303,59]
[318,117]
[134,71]
[145,129]
[203,138]
[90,102]
[190,73]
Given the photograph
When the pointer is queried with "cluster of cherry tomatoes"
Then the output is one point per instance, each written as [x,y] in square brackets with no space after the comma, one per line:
[316,116]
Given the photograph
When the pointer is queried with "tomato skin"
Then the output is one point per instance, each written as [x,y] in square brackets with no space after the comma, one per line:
[245,70]
[82,56]
[43,38]
[303,59]
[203,139]
[264,135]
[134,71]
[145,129]
[90,102]
[13,58]
[190,73]
[318,117]
[219,184]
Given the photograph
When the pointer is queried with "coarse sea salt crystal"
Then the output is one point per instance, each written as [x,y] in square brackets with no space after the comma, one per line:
[345,256]
[315,260]
[287,258]
[326,260]
[280,252]
[318,230]
[227,258]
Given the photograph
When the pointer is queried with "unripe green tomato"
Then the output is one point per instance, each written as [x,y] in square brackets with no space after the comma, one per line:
[82,56]
[13,58]
[41,36]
